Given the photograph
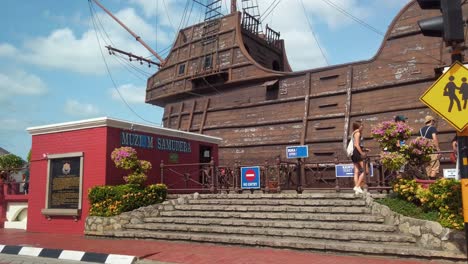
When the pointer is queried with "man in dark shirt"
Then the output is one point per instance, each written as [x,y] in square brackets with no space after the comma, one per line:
[430,132]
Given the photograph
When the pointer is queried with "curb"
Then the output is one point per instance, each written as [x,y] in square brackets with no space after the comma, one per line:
[67,254]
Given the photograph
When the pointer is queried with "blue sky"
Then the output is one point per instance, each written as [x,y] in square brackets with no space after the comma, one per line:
[52,69]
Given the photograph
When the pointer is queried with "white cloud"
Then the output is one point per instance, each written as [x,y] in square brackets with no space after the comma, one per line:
[289,19]
[63,49]
[9,124]
[130,92]
[7,50]
[20,83]
[75,108]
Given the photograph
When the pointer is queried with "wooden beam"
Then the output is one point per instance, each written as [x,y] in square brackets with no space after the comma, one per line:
[308,88]
[205,111]
[179,118]
[191,115]
[349,87]
[169,117]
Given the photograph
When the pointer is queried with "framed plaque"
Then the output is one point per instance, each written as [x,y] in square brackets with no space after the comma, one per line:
[64,184]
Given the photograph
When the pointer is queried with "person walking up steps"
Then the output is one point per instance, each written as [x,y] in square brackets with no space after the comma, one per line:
[430,132]
[359,154]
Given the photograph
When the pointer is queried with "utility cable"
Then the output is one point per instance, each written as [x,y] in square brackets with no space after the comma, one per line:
[267,14]
[346,13]
[343,11]
[313,33]
[268,8]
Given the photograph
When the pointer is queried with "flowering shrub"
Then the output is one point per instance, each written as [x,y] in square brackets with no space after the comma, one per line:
[418,150]
[406,189]
[393,160]
[388,133]
[113,200]
[443,196]
[126,158]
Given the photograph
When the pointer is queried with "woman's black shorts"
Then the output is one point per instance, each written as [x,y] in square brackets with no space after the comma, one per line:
[356,157]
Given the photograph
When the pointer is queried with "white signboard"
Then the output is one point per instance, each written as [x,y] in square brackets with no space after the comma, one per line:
[450,173]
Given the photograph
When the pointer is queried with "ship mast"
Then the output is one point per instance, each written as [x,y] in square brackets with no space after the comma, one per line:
[233,6]
[138,38]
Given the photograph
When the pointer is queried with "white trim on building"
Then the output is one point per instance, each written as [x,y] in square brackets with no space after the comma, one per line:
[116,123]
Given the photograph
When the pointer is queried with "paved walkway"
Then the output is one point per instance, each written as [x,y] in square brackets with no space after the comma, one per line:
[179,252]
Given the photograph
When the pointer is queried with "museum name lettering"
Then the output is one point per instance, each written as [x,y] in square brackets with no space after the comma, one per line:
[144,141]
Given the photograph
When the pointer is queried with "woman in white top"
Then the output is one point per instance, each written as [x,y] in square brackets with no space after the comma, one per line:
[359,154]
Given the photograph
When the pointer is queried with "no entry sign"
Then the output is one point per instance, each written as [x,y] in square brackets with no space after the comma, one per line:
[250,177]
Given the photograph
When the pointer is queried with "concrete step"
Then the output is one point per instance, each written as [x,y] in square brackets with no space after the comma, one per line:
[265,223]
[277,216]
[381,249]
[263,196]
[279,232]
[281,208]
[279,202]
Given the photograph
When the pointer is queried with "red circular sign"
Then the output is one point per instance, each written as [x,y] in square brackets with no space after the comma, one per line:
[250,175]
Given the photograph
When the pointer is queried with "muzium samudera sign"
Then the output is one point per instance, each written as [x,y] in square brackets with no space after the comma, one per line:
[145,141]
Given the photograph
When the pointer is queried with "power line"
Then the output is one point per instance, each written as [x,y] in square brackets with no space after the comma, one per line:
[271,10]
[313,33]
[346,13]
[343,11]
[268,8]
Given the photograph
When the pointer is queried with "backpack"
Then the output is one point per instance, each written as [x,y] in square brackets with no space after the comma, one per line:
[350,148]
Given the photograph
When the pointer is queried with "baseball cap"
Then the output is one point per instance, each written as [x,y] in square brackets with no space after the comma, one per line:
[400,118]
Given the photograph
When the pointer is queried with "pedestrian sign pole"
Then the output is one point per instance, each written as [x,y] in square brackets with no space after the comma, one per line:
[448,97]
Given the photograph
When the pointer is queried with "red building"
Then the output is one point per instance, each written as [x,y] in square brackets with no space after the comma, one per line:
[67,159]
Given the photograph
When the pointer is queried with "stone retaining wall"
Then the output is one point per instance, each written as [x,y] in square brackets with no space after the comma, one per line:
[429,234]
[97,225]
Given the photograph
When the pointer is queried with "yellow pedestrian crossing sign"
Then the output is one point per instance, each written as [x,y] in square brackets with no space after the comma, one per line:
[448,96]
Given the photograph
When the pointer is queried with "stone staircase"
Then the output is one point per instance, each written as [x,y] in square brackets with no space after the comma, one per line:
[327,222]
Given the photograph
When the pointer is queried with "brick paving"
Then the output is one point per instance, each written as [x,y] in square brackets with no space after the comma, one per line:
[149,251]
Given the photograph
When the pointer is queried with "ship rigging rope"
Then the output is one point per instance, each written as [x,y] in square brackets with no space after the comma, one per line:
[313,33]
[108,70]
[125,63]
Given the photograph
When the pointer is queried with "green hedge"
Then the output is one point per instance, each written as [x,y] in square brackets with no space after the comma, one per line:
[113,200]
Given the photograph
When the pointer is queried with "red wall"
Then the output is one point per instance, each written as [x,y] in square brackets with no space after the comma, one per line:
[97,145]
[92,142]
[154,156]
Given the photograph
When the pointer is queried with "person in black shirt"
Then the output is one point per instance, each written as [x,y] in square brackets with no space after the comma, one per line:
[430,132]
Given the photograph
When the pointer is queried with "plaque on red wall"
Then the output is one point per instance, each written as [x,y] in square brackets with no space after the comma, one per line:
[64,183]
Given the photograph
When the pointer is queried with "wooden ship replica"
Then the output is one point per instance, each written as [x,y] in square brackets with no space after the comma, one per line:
[226,77]
[229,78]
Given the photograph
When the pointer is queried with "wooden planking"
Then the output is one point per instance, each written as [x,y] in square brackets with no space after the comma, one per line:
[329,105]
[389,99]
[271,134]
[257,114]
[326,129]
[318,152]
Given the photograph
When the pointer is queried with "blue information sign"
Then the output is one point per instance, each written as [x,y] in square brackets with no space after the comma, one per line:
[250,177]
[347,170]
[296,152]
